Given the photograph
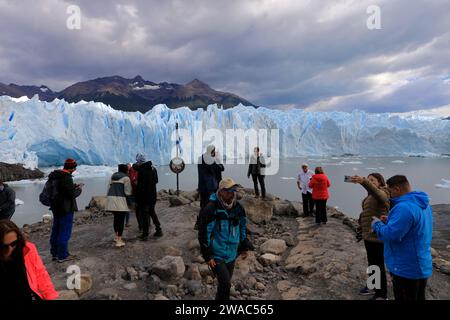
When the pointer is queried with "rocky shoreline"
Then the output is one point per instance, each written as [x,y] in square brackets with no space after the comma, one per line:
[16,172]
[293,258]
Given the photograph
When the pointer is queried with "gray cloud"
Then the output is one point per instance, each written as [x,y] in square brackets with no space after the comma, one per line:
[316,54]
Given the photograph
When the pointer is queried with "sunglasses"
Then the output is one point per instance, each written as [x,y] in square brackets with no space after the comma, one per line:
[11,245]
[229,189]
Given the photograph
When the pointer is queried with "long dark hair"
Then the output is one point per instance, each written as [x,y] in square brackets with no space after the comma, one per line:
[379,177]
[319,170]
[7,226]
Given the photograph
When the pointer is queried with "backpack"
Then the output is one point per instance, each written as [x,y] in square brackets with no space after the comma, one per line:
[50,194]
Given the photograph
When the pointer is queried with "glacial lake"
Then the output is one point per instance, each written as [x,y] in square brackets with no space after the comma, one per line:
[431,175]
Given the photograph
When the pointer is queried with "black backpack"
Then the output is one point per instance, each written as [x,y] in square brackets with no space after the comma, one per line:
[50,194]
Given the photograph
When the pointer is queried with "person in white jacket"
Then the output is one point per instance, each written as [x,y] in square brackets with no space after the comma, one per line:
[302,183]
[117,201]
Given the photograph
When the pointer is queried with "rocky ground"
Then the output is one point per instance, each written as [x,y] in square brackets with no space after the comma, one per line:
[293,258]
[15,172]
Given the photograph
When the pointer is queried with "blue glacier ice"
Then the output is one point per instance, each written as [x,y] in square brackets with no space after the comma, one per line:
[42,133]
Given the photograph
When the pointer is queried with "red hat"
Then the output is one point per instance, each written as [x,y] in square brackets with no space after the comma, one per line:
[70,164]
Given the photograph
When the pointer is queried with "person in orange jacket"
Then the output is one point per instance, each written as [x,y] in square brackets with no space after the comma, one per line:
[320,184]
[22,273]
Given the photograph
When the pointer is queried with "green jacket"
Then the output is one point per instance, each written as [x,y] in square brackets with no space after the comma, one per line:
[375,204]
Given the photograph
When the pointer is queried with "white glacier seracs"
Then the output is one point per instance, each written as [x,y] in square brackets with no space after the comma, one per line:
[42,133]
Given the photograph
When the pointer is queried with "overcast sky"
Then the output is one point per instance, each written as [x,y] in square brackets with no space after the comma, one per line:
[318,54]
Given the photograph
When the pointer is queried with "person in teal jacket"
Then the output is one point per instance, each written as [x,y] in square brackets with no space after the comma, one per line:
[407,234]
[222,234]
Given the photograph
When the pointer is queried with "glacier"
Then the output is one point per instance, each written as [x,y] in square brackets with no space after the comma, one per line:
[39,133]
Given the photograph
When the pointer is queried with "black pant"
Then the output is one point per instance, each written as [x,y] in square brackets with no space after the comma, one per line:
[308,204]
[138,211]
[375,256]
[409,289]
[148,211]
[119,221]
[224,272]
[259,178]
[321,210]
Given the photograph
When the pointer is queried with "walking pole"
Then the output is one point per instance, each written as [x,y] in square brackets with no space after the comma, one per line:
[178,141]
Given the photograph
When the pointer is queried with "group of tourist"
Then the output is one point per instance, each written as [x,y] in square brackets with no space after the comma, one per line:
[395,224]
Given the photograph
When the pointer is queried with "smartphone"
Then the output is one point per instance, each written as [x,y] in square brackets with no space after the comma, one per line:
[347,179]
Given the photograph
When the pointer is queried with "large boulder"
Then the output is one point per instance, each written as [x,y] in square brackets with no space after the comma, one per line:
[169,268]
[85,284]
[176,201]
[67,295]
[274,246]
[192,272]
[268,259]
[190,195]
[98,202]
[244,266]
[285,208]
[15,172]
[257,210]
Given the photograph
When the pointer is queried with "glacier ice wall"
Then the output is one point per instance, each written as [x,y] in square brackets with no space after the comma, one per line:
[34,131]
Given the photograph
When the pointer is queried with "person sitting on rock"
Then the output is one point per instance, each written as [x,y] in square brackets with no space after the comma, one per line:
[23,276]
[7,201]
[222,234]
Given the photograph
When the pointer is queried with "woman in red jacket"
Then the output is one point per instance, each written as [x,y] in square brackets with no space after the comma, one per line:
[320,184]
[22,274]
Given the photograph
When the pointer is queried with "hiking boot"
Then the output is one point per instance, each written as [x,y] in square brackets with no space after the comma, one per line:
[375,297]
[143,237]
[120,243]
[366,291]
[70,257]
[158,233]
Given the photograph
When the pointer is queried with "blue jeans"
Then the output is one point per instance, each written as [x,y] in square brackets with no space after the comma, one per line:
[61,232]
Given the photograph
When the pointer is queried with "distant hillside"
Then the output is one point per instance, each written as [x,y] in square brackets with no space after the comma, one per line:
[134,94]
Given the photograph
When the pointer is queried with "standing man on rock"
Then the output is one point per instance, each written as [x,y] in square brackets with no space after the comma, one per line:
[146,197]
[407,233]
[256,170]
[63,207]
[209,175]
[7,201]
[303,179]
[222,234]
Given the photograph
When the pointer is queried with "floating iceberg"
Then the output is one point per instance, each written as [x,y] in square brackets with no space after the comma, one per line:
[445,184]
[45,133]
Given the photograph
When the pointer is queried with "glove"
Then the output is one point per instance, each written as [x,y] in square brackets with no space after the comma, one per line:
[374,221]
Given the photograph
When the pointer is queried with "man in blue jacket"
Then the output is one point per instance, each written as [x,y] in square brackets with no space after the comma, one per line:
[407,234]
[222,234]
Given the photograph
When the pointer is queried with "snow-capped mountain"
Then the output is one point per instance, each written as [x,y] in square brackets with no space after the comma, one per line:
[34,131]
[134,94]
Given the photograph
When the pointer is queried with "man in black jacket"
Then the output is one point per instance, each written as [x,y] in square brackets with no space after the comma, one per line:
[7,201]
[257,162]
[63,207]
[146,199]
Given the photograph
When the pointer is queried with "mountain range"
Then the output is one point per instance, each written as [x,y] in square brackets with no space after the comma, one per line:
[134,94]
